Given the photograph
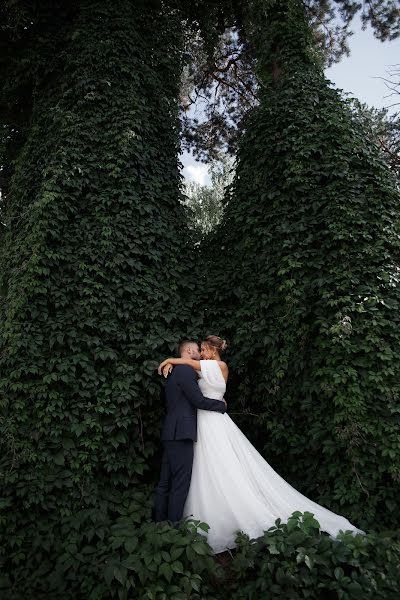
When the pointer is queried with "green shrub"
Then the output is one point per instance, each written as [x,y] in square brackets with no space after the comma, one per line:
[108,553]
[293,560]
[111,553]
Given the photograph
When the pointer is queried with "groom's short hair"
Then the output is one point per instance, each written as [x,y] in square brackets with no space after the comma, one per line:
[184,343]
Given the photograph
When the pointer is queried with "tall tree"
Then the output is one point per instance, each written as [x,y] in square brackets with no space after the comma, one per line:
[306,285]
[221,69]
[92,216]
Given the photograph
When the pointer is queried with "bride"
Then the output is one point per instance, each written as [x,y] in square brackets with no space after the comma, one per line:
[232,487]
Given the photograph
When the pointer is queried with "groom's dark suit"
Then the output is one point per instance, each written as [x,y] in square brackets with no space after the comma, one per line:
[179,431]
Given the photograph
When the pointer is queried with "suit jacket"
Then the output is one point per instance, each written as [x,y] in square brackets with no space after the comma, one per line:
[183,397]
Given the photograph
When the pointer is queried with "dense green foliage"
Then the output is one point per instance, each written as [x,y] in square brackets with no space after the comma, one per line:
[92,220]
[294,561]
[309,296]
[98,279]
[102,558]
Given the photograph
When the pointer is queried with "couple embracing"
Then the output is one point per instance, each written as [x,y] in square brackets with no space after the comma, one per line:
[210,471]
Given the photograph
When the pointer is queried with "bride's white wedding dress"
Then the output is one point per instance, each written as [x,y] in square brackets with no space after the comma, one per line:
[233,488]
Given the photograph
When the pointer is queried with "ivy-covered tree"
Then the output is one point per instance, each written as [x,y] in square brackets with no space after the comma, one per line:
[306,287]
[97,279]
[92,216]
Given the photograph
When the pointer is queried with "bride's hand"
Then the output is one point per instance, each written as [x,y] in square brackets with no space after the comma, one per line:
[162,365]
[167,369]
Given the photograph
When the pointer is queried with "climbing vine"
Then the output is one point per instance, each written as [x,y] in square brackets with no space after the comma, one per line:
[306,285]
[96,276]
[99,277]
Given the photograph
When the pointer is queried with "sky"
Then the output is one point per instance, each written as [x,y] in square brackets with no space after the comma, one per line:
[359,74]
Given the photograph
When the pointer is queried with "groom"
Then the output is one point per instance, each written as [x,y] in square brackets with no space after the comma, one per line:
[179,431]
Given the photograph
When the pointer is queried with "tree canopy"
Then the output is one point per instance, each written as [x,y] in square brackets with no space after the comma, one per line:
[221,71]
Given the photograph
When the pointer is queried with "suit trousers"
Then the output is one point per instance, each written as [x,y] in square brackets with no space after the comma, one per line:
[174,483]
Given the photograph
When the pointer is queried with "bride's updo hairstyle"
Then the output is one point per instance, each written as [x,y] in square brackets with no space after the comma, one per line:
[215,342]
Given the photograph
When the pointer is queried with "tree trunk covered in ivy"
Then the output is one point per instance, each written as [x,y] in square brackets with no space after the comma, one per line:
[96,276]
[306,285]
